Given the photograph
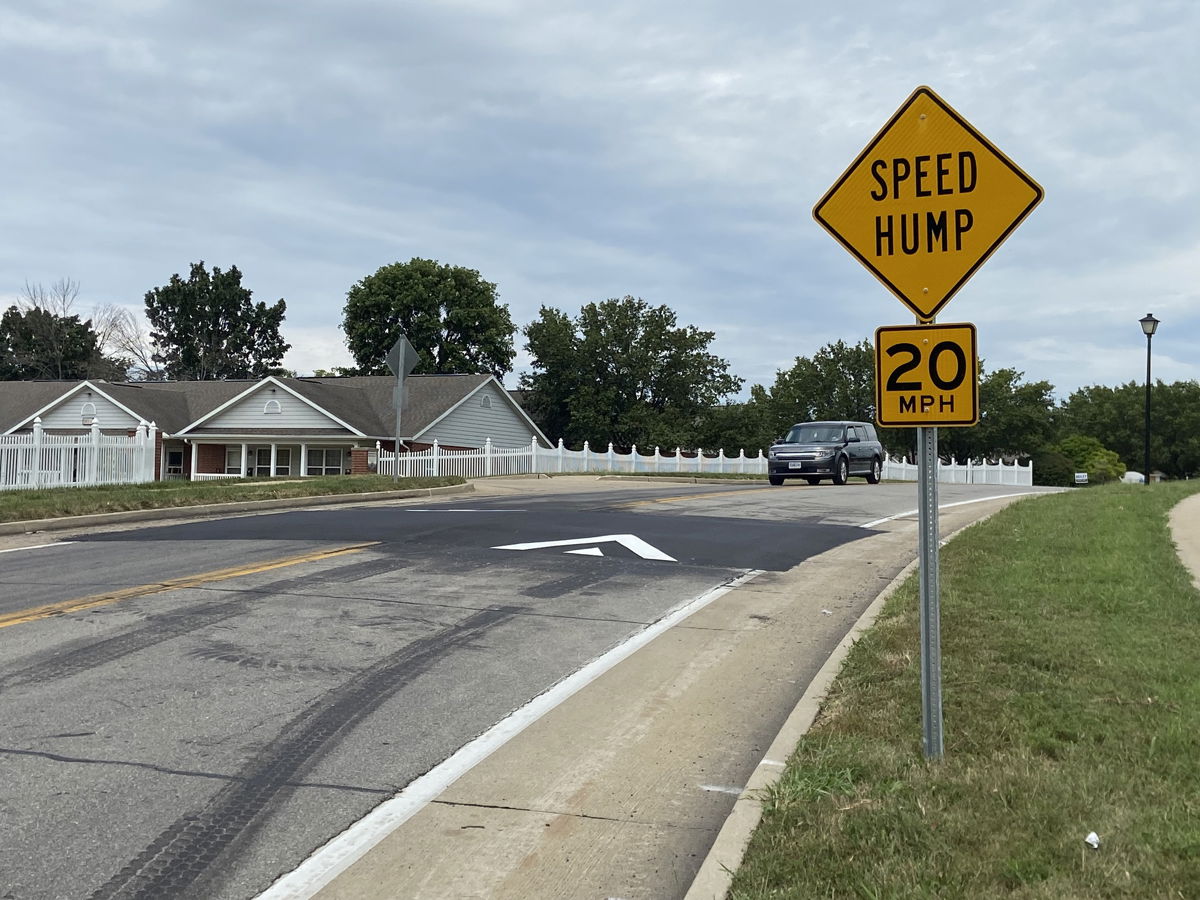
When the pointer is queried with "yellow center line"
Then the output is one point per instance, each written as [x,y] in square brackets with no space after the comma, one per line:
[188,581]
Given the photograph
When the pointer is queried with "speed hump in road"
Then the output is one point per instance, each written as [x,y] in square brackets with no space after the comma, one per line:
[926,375]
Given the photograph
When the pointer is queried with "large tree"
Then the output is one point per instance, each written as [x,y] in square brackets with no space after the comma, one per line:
[41,337]
[1115,417]
[451,316]
[1016,418]
[208,328]
[838,382]
[623,371]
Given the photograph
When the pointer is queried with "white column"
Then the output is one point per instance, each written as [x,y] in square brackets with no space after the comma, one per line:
[274,455]
[195,461]
[304,458]
[245,457]
[93,472]
[35,474]
[487,456]
[435,458]
[561,450]
[533,456]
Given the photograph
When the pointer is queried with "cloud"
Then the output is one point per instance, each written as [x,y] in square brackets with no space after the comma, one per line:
[572,152]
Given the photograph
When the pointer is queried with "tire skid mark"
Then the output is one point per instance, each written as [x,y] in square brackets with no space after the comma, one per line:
[189,856]
[80,656]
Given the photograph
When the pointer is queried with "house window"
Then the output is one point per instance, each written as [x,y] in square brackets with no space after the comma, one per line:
[262,462]
[485,402]
[89,413]
[272,407]
[174,462]
[233,460]
[324,461]
[283,461]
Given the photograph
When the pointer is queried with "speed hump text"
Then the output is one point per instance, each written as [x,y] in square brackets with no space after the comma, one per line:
[926,375]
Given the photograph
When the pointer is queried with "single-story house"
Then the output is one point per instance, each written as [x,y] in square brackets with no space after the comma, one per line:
[276,426]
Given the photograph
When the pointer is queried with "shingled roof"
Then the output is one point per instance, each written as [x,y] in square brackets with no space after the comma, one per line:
[363,402]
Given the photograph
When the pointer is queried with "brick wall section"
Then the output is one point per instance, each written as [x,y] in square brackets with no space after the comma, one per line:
[358,462]
[158,455]
[211,458]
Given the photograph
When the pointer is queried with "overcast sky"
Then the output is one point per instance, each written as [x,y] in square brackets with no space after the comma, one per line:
[573,152]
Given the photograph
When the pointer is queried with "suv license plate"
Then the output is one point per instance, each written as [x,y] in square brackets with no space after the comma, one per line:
[796,465]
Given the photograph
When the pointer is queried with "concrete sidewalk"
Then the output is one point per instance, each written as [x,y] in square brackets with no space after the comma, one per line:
[1185,531]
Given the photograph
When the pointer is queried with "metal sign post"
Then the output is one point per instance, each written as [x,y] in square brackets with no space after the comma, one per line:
[931,614]
[401,360]
[923,206]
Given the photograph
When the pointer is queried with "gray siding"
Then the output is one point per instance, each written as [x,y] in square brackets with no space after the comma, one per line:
[250,413]
[68,415]
[470,424]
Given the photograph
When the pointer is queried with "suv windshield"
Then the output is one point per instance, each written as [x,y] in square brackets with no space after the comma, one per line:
[815,434]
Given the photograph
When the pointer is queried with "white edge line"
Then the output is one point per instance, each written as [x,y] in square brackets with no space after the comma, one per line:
[337,855]
[38,546]
[913,512]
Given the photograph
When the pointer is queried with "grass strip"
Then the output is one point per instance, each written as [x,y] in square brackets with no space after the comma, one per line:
[1071,695]
[46,503]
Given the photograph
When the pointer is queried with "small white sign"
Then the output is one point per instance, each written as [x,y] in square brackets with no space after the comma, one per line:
[1081,478]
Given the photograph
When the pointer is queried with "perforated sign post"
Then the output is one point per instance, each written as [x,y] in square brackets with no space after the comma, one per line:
[923,207]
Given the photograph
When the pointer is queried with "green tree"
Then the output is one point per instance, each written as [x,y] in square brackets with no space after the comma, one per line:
[1116,417]
[1016,418]
[554,343]
[41,337]
[838,382]
[622,371]
[450,314]
[1091,456]
[208,328]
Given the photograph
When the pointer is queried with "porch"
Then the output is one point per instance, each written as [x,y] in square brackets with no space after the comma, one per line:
[213,460]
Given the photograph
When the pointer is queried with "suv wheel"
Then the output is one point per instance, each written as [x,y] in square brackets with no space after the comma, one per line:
[841,471]
[876,471]
[812,480]
[776,480]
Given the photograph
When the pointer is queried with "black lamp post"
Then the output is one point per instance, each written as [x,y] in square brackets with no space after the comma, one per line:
[1149,326]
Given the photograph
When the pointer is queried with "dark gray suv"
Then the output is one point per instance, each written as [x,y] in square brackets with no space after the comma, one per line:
[833,450]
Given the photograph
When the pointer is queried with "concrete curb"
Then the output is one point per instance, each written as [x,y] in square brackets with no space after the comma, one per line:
[221,509]
[675,479]
[715,874]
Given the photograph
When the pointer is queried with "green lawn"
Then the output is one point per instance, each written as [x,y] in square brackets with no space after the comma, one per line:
[19,506]
[1071,692]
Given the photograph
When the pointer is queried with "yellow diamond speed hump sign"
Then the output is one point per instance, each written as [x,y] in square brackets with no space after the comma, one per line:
[926,203]
[926,375]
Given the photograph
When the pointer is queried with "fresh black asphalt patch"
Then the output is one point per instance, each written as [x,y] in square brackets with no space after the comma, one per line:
[472,536]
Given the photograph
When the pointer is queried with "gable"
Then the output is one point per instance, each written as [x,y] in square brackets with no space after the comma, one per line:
[487,413]
[269,408]
[77,411]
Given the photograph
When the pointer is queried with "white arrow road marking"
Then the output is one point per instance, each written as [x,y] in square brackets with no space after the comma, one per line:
[590,551]
[630,542]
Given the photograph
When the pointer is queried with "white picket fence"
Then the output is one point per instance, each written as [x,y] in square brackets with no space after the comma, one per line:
[38,460]
[964,473]
[533,458]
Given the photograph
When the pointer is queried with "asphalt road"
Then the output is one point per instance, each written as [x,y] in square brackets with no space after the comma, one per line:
[189,710]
